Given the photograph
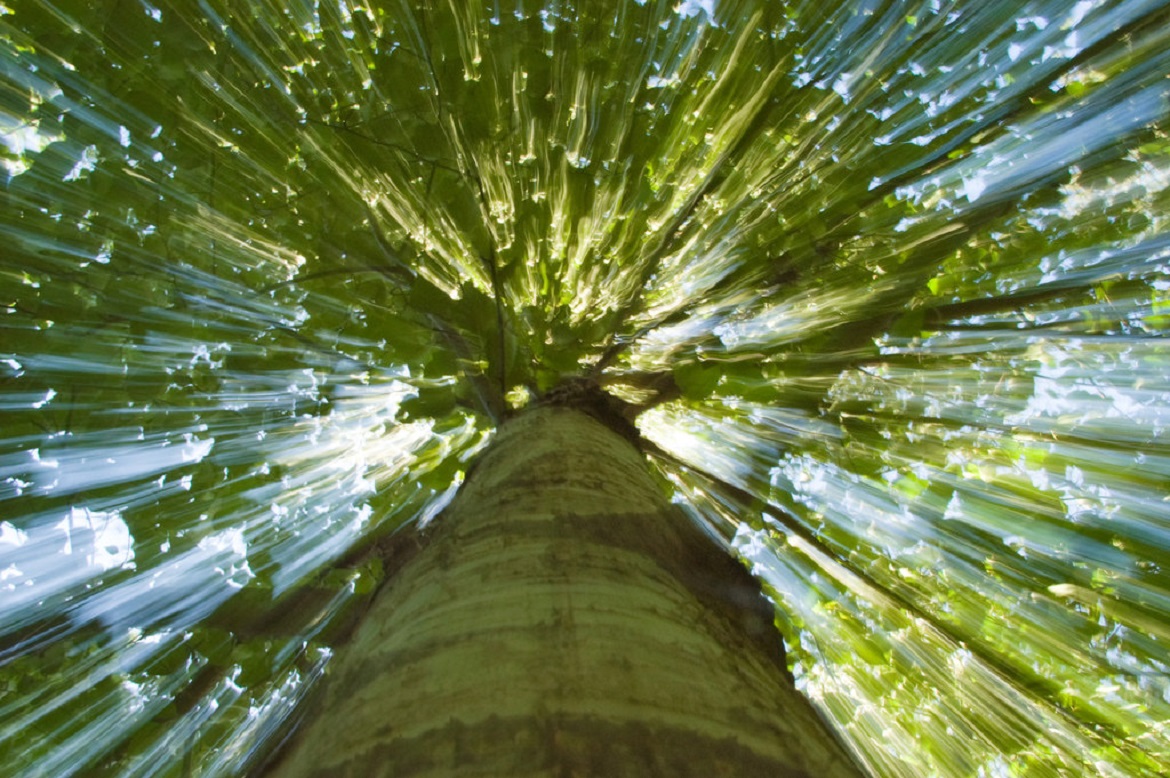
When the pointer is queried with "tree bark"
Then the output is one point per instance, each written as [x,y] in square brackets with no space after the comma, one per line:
[565,619]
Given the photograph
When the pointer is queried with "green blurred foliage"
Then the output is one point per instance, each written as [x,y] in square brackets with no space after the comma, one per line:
[270,268]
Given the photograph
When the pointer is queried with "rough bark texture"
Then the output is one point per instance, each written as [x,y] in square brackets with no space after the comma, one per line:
[565,620]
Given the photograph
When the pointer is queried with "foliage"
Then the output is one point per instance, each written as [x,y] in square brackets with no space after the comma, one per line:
[894,275]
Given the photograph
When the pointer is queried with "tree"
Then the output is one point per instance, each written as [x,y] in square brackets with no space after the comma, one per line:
[882,286]
[565,619]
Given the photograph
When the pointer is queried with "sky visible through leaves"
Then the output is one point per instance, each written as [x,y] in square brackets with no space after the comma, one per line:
[271,273]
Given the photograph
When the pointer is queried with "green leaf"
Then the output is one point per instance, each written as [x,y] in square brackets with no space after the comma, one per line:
[697,380]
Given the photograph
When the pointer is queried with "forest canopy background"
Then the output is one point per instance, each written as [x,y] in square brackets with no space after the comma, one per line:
[892,274]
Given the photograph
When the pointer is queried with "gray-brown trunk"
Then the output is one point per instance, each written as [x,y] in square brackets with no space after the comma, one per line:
[565,619]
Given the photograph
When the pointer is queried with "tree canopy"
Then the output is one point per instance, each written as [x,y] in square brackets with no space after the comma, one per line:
[891,281]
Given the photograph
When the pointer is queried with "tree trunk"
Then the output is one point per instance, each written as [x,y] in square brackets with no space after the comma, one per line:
[565,619]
